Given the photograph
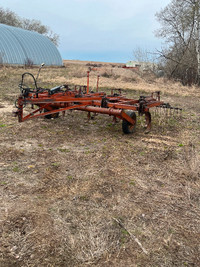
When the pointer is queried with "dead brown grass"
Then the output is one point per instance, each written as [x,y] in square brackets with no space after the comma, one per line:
[66,183]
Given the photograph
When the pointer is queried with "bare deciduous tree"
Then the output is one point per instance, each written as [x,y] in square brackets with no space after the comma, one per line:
[180,28]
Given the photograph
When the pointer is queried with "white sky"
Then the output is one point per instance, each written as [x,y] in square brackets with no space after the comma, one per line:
[99,30]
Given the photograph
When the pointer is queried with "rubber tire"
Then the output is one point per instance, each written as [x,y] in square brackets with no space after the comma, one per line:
[51,116]
[127,127]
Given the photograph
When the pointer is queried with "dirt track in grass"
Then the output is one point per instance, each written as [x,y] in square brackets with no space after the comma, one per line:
[66,183]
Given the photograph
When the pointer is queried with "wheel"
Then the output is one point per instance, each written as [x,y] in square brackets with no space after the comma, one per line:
[127,127]
[51,116]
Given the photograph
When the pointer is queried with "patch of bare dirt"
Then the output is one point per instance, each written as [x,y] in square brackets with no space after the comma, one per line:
[5,108]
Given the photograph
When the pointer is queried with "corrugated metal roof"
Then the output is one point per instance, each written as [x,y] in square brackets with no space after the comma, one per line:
[17,46]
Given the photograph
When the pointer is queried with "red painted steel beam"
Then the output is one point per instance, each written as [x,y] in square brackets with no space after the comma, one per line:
[88,77]
[97,83]
[32,116]
[110,111]
[55,100]
[153,104]
[127,118]
[122,106]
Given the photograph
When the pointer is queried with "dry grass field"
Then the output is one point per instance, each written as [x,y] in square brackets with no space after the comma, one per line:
[75,192]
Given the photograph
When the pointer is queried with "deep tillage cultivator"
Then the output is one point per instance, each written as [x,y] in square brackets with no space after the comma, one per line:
[50,102]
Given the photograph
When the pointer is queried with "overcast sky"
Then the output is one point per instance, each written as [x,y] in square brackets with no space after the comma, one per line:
[96,30]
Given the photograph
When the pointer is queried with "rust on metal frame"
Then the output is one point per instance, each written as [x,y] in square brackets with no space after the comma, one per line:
[50,102]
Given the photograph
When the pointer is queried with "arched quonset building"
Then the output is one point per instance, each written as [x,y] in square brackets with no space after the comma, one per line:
[19,46]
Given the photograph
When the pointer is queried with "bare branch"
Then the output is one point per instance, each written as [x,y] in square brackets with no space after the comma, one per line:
[180,26]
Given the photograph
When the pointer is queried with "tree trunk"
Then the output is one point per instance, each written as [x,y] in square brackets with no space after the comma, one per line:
[197,41]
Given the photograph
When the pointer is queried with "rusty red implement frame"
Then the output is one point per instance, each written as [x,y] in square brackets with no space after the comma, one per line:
[49,102]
